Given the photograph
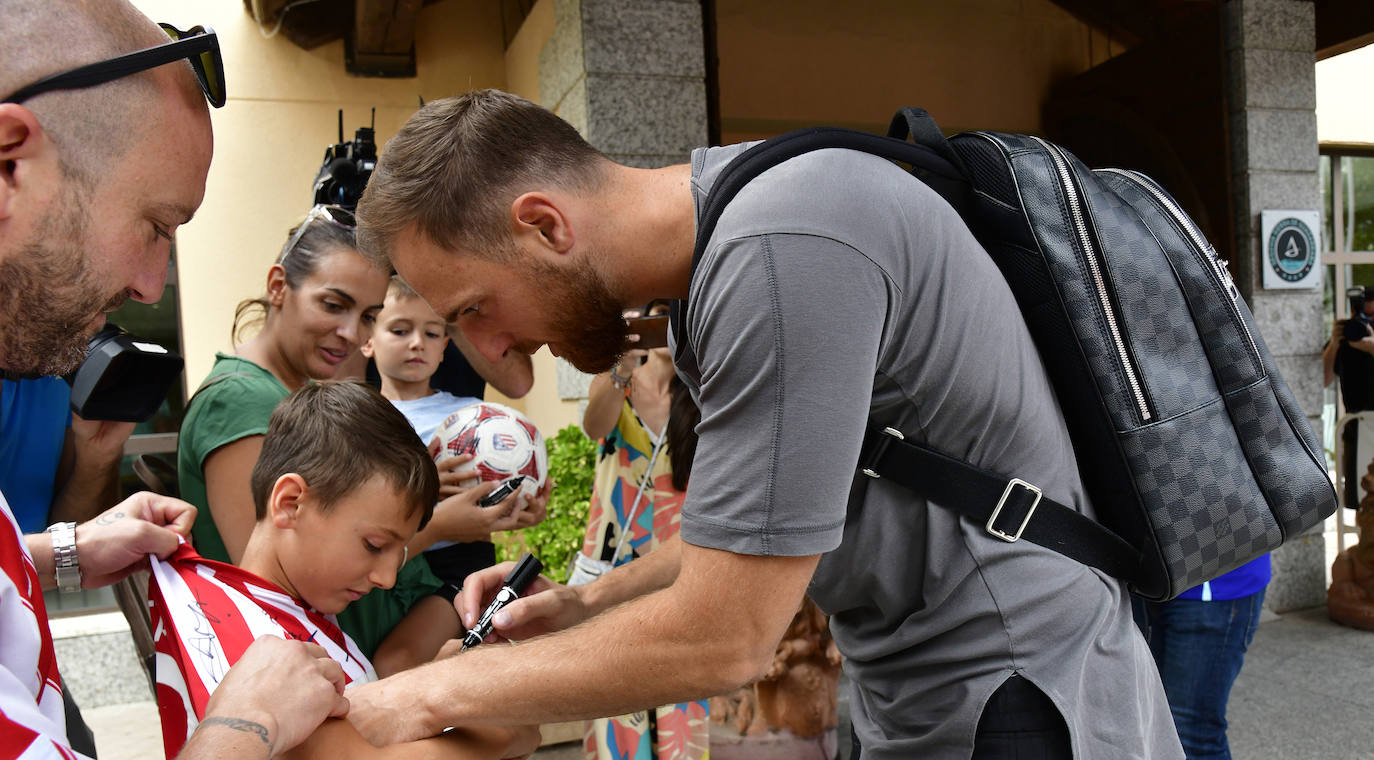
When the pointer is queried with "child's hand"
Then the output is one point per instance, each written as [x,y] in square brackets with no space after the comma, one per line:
[460,518]
[534,509]
[453,474]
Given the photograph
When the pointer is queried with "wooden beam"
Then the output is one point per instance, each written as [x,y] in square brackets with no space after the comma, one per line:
[266,10]
[1343,25]
[309,25]
[383,40]
[513,14]
[384,27]
[1133,22]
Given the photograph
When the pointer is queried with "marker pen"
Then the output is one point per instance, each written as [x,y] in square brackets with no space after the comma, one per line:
[515,582]
[499,493]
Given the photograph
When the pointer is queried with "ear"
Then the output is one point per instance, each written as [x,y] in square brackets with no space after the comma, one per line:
[276,285]
[284,502]
[22,140]
[366,348]
[535,216]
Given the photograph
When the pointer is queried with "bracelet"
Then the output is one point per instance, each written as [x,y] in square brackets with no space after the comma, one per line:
[618,381]
[66,567]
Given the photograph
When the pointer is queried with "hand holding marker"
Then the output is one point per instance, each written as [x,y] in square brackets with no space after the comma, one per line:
[499,493]
[515,582]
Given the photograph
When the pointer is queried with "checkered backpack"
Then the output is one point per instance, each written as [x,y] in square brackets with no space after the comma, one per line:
[1194,453]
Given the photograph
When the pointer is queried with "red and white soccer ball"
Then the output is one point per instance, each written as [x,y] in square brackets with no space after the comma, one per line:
[503,443]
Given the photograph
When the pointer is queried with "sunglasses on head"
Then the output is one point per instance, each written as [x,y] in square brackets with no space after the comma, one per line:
[336,215]
[198,45]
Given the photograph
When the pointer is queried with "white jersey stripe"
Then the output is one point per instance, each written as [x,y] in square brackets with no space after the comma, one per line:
[202,647]
[206,614]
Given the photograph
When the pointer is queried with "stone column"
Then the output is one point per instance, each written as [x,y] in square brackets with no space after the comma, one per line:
[1270,55]
[630,76]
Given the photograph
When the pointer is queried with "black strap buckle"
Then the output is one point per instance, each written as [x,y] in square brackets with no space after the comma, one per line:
[878,446]
[1015,483]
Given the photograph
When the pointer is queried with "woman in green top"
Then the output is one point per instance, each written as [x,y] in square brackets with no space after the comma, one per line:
[321,300]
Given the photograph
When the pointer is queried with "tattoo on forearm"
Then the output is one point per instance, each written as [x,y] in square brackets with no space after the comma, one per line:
[108,519]
[239,724]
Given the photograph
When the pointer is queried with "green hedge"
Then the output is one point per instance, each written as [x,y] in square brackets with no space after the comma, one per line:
[572,463]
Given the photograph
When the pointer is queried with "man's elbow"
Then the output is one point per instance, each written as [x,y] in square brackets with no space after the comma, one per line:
[743,661]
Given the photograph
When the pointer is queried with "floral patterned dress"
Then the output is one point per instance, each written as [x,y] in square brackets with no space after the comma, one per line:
[633,494]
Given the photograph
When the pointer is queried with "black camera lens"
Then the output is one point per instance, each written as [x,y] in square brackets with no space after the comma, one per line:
[124,377]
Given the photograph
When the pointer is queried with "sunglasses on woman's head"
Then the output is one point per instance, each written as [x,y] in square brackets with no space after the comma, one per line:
[336,215]
[198,45]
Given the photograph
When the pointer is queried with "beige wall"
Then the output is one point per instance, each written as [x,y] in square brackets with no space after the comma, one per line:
[282,113]
[988,64]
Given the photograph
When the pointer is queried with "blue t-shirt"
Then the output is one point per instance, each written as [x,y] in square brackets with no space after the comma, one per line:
[425,414]
[34,417]
[1246,580]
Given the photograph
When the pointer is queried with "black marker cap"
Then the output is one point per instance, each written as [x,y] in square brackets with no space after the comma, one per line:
[526,570]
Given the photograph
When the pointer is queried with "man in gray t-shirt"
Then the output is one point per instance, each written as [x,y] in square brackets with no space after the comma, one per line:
[836,292]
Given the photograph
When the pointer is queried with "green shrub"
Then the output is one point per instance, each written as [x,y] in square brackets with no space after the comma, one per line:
[572,464]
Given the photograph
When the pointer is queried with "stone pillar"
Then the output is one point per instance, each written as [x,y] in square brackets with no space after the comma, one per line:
[1270,46]
[630,75]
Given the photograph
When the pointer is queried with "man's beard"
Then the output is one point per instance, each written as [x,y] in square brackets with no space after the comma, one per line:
[49,295]
[591,333]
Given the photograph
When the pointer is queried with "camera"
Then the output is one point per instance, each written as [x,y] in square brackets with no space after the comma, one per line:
[123,378]
[1356,296]
[347,167]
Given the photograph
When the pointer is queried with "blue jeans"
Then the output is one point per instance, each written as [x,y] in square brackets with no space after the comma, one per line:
[1199,648]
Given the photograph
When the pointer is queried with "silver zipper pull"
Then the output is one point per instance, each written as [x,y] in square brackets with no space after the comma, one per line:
[1224,273]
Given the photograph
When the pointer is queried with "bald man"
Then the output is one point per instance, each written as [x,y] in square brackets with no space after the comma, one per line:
[95,178]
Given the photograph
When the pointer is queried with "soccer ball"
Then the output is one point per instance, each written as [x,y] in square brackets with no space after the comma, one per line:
[503,443]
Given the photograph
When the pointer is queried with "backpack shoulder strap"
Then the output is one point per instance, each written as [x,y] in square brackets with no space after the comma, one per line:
[1008,508]
[929,165]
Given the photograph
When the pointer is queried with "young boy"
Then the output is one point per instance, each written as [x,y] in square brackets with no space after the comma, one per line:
[340,487]
[407,344]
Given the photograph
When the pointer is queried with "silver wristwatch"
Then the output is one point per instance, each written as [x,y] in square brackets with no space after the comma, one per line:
[65,565]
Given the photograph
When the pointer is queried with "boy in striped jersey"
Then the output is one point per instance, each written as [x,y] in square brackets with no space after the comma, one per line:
[341,486]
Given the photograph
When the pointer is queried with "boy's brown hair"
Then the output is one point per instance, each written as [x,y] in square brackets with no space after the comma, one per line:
[337,435]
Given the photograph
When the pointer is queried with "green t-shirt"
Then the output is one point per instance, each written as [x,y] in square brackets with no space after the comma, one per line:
[239,406]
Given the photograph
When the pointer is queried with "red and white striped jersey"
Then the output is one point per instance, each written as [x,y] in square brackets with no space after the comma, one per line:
[204,614]
[31,718]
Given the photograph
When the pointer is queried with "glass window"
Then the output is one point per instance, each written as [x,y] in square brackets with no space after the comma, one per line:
[1358,204]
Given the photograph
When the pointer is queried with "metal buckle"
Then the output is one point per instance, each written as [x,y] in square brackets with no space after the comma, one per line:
[879,449]
[1008,537]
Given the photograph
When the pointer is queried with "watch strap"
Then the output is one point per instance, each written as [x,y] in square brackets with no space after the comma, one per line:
[66,567]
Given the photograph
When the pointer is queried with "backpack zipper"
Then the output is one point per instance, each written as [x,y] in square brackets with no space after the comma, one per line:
[1095,268]
[1200,244]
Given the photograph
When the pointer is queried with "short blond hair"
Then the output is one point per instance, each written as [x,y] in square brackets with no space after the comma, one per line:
[458,163]
[398,290]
